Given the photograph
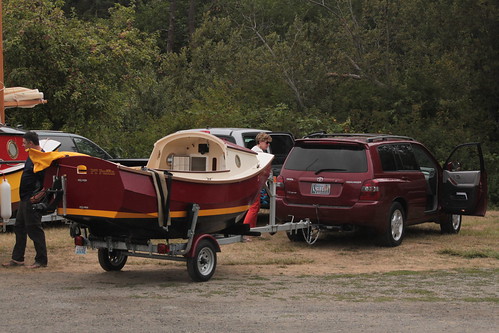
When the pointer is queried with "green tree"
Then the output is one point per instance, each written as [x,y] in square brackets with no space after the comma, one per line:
[90,73]
[418,68]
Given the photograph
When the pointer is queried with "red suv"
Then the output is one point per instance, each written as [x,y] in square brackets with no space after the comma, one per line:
[382,182]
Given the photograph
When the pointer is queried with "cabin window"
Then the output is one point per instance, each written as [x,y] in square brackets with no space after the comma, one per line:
[214,164]
[181,163]
[12,149]
[198,163]
[238,161]
[188,163]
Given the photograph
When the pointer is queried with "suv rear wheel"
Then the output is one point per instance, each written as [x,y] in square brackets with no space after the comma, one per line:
[395,230]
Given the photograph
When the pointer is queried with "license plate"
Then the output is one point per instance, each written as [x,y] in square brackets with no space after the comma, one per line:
[80,249]
[322,189]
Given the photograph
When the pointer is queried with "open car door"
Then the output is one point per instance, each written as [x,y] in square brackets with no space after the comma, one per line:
[280,147]
[465,181]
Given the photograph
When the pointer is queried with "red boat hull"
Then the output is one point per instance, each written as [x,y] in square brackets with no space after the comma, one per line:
[120,202]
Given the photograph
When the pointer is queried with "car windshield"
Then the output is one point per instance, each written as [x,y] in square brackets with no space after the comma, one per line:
[327,158]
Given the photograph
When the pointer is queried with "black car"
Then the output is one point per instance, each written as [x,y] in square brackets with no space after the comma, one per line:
[80,144]
[74,142]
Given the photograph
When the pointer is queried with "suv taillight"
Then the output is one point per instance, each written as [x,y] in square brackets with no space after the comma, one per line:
[79,241]
[279,184]
[370,191]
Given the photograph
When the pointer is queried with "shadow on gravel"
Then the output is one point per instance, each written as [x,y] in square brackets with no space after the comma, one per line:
[133,275]
[367,239]
[133,278]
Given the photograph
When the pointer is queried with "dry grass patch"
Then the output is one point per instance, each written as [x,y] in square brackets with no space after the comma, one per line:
[425,248]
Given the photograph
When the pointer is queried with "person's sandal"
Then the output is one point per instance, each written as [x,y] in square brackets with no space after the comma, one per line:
[13,263]
[36,265]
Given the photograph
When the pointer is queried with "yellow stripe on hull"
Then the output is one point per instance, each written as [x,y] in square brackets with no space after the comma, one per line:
[173,214]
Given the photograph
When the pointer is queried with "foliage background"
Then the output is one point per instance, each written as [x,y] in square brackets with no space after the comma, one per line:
[125,73]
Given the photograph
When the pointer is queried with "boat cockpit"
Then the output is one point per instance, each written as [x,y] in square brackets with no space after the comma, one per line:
[189,153]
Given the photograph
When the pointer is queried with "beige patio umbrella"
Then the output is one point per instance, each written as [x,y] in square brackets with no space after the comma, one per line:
[16,96]
[20,97]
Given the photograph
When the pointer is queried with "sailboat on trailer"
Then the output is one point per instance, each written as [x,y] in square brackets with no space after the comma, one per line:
[153,202]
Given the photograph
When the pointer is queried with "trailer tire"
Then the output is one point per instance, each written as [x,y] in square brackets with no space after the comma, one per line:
[111,261]
[201,266]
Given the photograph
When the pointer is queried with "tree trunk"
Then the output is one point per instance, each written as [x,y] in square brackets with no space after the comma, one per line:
[191,17]
[171,27]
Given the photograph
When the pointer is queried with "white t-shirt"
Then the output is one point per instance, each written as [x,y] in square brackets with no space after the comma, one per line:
[257,149]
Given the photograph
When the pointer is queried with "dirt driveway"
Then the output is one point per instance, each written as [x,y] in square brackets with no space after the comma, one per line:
[341,284]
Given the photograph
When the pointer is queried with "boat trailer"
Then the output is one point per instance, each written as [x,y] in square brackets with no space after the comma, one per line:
[199,251]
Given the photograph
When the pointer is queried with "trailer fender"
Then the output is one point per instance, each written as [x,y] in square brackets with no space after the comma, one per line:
[197,239]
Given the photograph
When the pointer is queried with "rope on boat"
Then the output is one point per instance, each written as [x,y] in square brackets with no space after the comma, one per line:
[161,181]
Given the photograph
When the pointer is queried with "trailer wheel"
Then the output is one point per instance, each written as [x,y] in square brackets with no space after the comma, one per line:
[201,266]
[111,261]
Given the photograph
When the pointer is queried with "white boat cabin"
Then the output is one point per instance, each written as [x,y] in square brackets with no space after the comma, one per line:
[199,152]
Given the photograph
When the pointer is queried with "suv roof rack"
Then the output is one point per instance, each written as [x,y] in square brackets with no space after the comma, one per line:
[384,137]
[330,135]
[370,137]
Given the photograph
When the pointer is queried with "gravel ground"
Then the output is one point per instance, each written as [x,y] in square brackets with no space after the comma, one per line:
[151,298]
[267,285]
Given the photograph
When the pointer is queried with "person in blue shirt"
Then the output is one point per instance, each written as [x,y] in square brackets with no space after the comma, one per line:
[28,220]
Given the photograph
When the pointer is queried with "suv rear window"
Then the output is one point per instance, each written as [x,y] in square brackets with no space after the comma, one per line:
[334,158]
